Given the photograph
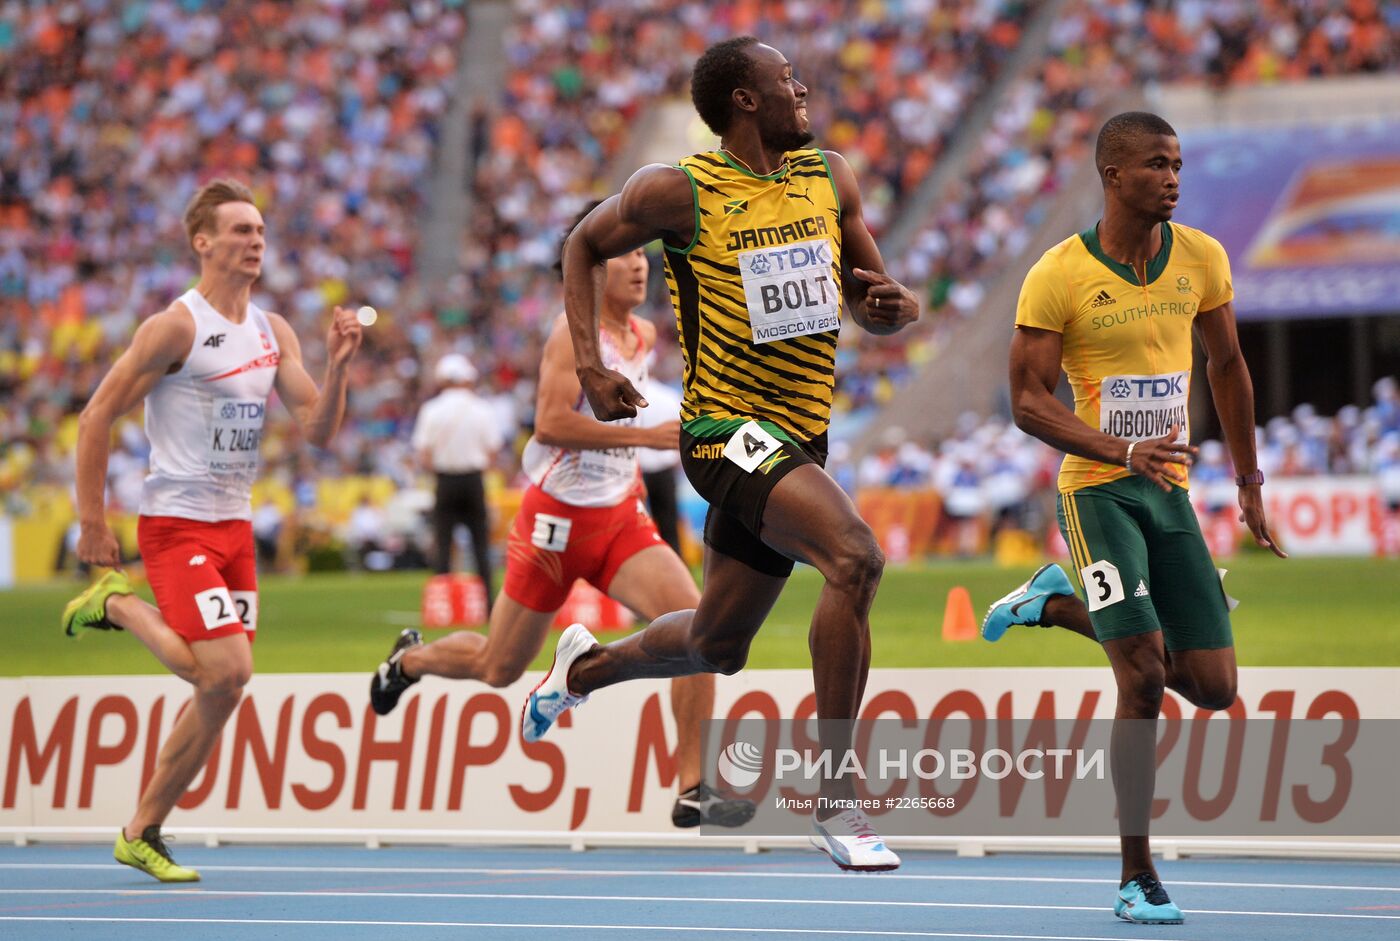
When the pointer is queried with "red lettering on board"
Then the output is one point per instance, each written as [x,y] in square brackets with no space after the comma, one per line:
[400,752]
[24,742]
[271,768]
[318,749]
[95,753]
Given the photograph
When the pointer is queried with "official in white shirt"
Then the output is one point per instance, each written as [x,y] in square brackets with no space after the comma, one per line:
[457,436]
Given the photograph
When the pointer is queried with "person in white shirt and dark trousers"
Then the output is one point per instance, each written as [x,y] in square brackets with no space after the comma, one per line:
[457,436]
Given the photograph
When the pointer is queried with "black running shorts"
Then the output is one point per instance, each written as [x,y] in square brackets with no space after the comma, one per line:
[735,464]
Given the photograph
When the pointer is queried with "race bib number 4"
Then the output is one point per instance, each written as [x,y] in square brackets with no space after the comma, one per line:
[750,446]
[235,433]
[1142,407]
[790,290]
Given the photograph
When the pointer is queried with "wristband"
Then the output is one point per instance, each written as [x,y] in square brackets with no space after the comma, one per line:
[1128,461]
[1254,477]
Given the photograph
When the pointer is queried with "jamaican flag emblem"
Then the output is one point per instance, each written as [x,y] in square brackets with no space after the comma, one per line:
[736,206]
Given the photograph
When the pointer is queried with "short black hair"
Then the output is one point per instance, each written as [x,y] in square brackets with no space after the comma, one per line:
[1121,132]
[720,69]
[588,207]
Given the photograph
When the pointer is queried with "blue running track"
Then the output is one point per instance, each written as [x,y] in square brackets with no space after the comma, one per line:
[343,893]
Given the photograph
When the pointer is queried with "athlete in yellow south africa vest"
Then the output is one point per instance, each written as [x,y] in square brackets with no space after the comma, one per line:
[1126,346]
[757,293]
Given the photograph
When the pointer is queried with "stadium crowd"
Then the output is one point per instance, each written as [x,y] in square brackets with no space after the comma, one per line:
[333,111]
[1043,134]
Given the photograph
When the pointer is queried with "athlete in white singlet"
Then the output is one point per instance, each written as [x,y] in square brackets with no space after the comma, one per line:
[205,367]
[582,517]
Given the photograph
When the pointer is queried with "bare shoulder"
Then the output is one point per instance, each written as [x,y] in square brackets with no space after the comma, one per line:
[286,337]
[652,190]
[166,335]
[646,330]
[559,342]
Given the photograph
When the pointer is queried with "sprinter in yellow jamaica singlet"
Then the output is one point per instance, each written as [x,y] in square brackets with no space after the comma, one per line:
[765,246]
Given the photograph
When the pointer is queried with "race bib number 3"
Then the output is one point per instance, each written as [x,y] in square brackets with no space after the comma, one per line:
[1141,407]
[790,290]
[1103,585]
[750,446]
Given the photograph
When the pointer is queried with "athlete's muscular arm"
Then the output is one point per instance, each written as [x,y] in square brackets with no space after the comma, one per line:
[159,347]
[656,203]
[558,425]
[318,411]
[876,301]
[1035,371]
[1233,392]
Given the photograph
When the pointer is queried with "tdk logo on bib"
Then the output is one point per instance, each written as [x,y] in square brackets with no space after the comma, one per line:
[1156,387]
[791,291]
[241,410]
[1139,407]
[802,255]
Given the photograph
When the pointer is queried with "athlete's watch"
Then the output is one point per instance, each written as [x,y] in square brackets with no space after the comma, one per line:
[1256,477]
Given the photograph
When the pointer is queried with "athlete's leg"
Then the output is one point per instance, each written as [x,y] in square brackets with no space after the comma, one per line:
[144,620]
[1140,670]
[498,658]
[652,583]
[1190,600]
[1069,612]
[223,667]
[714,637]
[809,517]
[1205,678]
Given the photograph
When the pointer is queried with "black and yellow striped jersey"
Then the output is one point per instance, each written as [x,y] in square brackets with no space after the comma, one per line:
[758,293]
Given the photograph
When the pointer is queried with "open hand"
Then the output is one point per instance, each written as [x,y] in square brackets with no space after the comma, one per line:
[1161,460]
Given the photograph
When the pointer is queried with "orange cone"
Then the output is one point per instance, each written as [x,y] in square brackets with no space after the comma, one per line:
[959,623]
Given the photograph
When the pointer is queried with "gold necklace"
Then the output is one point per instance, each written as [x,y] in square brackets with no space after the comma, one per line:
[781,167]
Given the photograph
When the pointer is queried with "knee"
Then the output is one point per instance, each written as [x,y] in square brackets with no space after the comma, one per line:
[859,562]
[1144,685]
[224,685]
[1214,697]
[501,675]
[718,655]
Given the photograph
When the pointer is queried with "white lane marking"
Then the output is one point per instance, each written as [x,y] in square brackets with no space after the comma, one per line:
[735,874]
[519,896]
[744,930]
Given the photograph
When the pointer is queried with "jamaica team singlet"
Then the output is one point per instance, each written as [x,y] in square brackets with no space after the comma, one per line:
[757,293]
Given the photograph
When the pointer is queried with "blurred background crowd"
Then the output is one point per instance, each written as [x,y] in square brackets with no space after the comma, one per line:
[113,114]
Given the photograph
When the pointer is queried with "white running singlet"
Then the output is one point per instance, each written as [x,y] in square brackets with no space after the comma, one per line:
[205,420]
[602,477]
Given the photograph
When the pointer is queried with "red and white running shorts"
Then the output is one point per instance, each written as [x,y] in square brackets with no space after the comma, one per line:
[204,575]
[552,543]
